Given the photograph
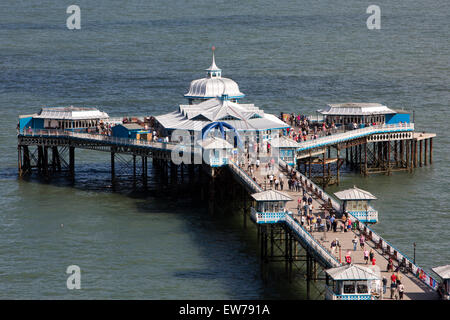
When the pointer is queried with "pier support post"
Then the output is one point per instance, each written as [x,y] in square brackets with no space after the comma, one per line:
[323,171]
[134,170]
[19,160]
[415,154]
[72,161]
[337,166]
[351,158]
[365,159]
[144,171]
[420,153]
[26,165]
[402,143]
[425,154]
[431,150]
[245,209]
[113,169]
[408,155]
[388,159]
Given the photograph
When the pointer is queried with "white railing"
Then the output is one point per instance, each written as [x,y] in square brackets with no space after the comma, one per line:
[99,137]
[353,134]
[385,246]
[371,215]
[330,295]
[267,217]
[396,254]
[244,176]
[311,242]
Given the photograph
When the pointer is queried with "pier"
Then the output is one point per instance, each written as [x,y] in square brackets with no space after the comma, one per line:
[283,229]
[235,153]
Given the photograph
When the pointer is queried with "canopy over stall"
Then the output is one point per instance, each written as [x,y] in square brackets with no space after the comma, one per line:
[356,202]
[353,282]
[270,206]
[286,148]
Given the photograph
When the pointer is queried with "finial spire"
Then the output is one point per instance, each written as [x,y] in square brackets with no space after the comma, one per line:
[213,70]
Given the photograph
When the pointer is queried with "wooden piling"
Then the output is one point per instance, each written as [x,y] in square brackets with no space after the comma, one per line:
[420,153]
[425,160]
[431,150]
[72,161]
[113,169]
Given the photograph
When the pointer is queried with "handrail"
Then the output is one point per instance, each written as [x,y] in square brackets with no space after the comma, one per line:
[352,134]
[312,242]
[426,278]
[98,137]
[399,256]
[244,175]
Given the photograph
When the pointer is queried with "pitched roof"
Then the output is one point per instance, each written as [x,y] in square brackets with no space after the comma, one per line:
[355,108]
[71,113]
[354,194]
[271,195]
[133,126]
[284,142]
[240,116]
[442,271]
[352,272]
[215,143]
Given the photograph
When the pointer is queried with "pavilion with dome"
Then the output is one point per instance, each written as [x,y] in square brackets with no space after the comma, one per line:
[216,99]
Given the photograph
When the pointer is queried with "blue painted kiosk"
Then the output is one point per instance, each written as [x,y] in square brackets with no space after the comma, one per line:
[216,151]
[131,131]
[286,149]
[357,203]
[353,282]
[270,206]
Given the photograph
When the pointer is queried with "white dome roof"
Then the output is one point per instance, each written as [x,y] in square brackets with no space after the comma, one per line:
[208,88]
[213,85]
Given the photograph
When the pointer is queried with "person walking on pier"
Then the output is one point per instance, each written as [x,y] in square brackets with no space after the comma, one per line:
[390,266]
[371,255]
[355,242]
[401,289]
[361,241]
[366,256]
[384,284]
[393,285]
[334,245]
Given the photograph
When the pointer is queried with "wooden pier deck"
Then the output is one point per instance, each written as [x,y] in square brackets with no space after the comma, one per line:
[415,289]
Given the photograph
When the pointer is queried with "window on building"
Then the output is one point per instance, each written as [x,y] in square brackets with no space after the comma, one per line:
[349,287]
[362,287]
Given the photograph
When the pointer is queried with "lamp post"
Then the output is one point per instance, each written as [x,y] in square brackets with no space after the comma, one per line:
[414,253]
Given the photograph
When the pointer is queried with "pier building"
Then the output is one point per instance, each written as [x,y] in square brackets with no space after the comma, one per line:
[362,114]
[353,282]
[64,118]
[215,99]
[357,202]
